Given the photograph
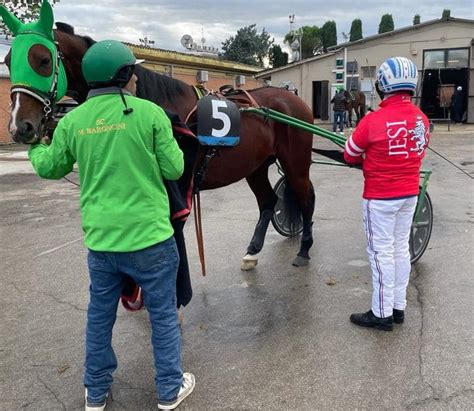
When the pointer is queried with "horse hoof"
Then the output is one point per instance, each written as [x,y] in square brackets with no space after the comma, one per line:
[300,261]
[249,262]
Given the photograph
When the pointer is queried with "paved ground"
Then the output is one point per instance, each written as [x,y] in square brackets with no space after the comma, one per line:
[277,338]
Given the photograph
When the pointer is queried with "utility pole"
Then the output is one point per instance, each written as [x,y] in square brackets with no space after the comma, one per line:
[296,44]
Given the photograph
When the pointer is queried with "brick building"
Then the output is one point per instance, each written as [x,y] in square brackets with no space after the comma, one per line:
[190,68]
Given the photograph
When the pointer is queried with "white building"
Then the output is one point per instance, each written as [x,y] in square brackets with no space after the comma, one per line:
[442,49]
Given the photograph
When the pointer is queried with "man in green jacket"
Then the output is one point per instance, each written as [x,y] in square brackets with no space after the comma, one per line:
[124,148]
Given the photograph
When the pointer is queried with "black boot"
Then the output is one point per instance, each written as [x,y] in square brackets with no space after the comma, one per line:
[368,319]
[398,316]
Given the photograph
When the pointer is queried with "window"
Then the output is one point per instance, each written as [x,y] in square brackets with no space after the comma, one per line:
[434,59]
[458,58]
[351,67]
[447,58]
[339,63]
[368,71]
[339,76]
[4,49]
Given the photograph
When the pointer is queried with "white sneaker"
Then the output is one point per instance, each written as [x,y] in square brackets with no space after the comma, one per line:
[96,406]
[186,388]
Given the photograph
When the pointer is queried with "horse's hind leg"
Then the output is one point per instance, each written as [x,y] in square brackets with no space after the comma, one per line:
[266,198]
[307,210]
[298,177]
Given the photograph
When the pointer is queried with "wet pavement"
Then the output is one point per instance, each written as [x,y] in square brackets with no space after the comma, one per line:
[276,338]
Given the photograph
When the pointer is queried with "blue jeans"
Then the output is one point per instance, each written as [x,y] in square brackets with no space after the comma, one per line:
[338,119]
[154,270]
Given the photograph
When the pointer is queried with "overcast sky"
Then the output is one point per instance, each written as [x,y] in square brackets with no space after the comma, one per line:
[166,21]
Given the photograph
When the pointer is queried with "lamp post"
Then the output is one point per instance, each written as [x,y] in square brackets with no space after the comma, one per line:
[298,36]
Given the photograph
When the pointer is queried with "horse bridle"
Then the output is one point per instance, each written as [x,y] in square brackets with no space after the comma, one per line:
[49,99]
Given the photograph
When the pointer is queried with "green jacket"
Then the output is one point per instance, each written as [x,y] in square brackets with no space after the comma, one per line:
[122,160]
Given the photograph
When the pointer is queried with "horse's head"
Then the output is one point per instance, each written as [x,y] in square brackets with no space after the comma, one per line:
[37,72]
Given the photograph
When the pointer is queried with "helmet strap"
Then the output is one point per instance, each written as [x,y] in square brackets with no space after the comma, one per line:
[127,110]
[379,91]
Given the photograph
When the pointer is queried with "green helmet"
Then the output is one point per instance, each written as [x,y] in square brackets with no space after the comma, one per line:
[104,60]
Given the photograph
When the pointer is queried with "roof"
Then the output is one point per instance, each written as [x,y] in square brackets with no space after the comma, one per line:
[402,30]
[187,59]
[264,73]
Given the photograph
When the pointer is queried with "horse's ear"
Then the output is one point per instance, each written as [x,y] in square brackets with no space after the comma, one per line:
[10,20]
[46,20]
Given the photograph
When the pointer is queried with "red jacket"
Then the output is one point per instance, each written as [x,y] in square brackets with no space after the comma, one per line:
[390,143]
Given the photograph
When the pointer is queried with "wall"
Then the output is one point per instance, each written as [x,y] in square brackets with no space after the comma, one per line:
[4,110]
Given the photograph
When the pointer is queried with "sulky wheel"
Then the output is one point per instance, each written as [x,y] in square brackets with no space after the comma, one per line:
[280,215]
[421,231]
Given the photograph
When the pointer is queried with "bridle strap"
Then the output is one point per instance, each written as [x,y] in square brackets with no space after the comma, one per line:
[43,100]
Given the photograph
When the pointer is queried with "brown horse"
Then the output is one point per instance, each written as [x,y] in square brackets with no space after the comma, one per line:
[355,101]
[262,141]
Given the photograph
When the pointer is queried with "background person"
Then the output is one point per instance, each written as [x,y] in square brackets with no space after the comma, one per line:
[457,105]
[339,109]
[390,143]
[124,148]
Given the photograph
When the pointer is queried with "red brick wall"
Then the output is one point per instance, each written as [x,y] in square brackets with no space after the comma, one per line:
[4,110]
[215,82]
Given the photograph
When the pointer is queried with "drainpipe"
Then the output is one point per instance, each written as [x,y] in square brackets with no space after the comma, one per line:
[345,67]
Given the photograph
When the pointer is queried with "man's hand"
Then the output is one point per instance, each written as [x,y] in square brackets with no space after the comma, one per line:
[45,140]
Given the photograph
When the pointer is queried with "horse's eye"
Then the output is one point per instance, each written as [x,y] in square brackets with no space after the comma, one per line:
[39,59]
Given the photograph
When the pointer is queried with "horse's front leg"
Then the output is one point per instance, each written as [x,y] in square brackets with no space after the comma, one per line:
[266,198]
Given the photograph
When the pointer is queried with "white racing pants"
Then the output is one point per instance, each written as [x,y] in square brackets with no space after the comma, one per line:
[387,227]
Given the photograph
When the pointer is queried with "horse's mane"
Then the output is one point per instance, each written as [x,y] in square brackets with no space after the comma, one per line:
[68,29]
[158,87]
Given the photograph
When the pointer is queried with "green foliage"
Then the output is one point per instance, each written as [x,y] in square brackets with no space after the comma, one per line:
[25,10]
[328,33]
[416,19]
[386,24]
[247,46]
[446,14]
[310,41]
[356,30]
[278,58]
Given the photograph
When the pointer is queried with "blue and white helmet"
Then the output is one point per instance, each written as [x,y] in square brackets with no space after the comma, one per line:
[396,74]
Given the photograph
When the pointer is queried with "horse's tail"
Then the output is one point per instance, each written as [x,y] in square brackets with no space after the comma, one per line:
[362,109]
[292,208]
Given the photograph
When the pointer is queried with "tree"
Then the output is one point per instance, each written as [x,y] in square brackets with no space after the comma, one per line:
[278,58]
[247,46]
[416,19]
[328,33]
[356,30]
[446,14]
[25,10]
[386,24]
[310,41]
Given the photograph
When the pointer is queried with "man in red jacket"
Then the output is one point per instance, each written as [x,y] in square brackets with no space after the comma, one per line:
[390,143]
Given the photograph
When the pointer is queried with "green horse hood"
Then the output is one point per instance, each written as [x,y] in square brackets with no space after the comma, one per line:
[49,82]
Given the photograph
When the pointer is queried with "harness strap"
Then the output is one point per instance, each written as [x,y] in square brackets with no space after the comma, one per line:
[241,102]
[199,234]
